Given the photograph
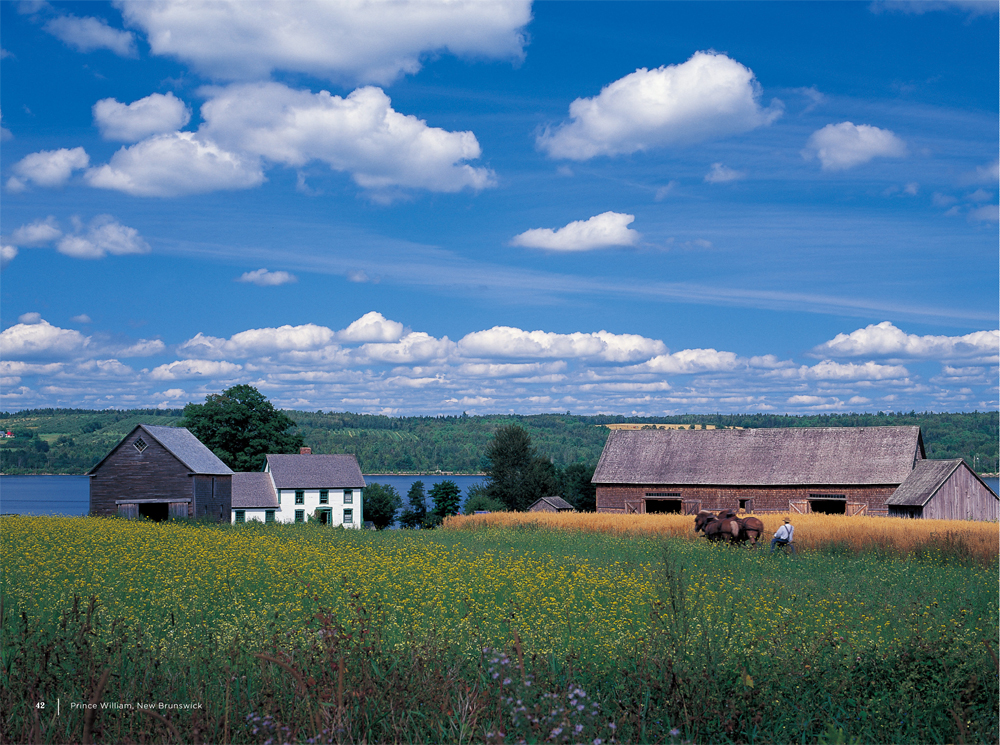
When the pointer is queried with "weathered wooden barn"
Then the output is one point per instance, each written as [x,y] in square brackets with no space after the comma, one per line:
[840,470]
[160,473]
[944,490]
[551,504]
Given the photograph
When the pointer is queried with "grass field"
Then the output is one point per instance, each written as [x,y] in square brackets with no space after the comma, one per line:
[494,630]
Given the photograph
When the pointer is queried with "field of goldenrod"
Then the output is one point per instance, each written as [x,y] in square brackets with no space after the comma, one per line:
[605,593]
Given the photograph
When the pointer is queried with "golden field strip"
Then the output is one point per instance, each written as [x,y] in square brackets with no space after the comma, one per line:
[812,531]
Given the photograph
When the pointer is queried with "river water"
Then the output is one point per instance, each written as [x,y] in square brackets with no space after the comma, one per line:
[70,495]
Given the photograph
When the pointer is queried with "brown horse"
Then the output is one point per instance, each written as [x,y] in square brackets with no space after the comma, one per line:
[727,529]
[751,529]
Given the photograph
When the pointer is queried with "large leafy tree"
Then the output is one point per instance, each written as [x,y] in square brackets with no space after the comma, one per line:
[416,512]
[515,473]
[447,497]
[241,426]
[382,501]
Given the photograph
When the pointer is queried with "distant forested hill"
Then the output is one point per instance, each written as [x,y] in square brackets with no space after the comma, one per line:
[73,440]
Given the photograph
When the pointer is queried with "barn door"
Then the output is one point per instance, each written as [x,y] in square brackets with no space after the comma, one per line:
[130,511]
[799,505]
[178,510]
[857,508]
[692,506]
[633,506]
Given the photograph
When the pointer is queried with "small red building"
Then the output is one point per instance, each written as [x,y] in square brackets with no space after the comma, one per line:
[839,470]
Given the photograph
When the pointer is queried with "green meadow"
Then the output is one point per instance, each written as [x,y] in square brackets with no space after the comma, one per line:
[120,631]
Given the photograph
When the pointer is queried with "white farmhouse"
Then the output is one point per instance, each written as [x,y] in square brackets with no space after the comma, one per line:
[291,488]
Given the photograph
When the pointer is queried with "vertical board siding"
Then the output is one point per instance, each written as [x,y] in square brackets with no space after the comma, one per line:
[962,497]
[128,474]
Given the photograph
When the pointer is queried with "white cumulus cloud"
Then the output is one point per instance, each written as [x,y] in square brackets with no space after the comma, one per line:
[360,134]
[509,342]
[255,343]
[265,278]
[415,346]
[690,361]
[354,41]
[38,339]
[87,34]
[152,115]
[38,233]
[829,370]
[182,369]
[885,340]
[845,145]
[173,164]
[601,231]
[104,235]
[47,168]
[707,97]
[7,254]
[371,327]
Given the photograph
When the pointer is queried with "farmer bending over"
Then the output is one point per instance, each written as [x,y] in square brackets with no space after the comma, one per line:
[783,536]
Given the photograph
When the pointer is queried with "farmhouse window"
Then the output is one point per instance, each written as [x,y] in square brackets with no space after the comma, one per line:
[324,496]
[300,496]
[269,516]
[348,516]
[241,516]
[300,516]
[140,444]
[348,497]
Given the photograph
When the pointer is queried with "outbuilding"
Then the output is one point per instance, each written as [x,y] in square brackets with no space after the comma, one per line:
[944,490]
[837,470]
[551,504]
[160,473]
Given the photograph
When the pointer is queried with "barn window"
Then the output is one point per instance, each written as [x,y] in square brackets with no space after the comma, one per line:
[300,516]
[348,497]
[300,496]
[348,516]
[269,516]
[324,496]
[140,445]
[671,494]
[241,516]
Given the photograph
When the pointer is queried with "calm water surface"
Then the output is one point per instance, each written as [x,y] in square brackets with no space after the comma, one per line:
[70,495]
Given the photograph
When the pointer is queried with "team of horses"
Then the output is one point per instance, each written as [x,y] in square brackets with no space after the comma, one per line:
[729,528]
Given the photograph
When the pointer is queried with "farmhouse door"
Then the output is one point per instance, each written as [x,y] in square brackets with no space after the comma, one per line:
[130,511]
[857,508]
[799,505]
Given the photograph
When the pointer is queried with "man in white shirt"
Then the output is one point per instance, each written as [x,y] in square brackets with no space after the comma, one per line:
[784,535]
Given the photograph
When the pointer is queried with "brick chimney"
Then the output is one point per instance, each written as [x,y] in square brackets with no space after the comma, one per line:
[305,451]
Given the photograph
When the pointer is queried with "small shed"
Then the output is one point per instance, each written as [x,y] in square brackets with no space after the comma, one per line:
[551,504]
[944,490]
[160,473]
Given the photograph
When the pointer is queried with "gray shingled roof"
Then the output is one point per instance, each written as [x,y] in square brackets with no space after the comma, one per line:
[557,503]
[760,457]
[188,449]
[315,471]
[923,482]
[254,491]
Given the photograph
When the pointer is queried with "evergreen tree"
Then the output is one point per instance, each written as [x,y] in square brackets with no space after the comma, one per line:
[577,489]
[416,512]
[516,475]
[447,498]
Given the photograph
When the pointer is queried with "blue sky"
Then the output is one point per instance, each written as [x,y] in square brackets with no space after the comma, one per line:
[649,208]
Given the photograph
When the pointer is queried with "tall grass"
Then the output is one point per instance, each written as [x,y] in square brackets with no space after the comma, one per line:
[962,540]
[500,634]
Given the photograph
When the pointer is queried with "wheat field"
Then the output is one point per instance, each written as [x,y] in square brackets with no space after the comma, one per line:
[814,531]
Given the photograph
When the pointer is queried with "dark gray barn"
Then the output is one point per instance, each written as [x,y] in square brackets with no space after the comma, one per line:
[944,490]
[161,473]
[838,470]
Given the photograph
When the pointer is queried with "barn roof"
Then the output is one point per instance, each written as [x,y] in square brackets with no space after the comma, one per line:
[184,446]
[315,471]
[556,503]
[761,457]
[254,490]
[924,481]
